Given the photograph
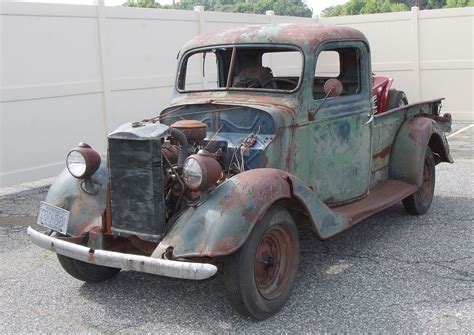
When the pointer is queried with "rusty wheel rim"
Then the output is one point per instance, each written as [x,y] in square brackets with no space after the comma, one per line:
[426,189]
[273,263]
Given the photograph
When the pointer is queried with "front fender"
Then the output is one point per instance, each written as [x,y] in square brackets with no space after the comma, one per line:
[85,209]
[408,152]
[221,224]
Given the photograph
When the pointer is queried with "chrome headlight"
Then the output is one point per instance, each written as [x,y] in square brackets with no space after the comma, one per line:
[201,171]
[192,173]
[82,161]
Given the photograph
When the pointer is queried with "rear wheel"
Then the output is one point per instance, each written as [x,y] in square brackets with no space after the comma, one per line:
[396,99]
[419,202]
[260,276]
[85,271]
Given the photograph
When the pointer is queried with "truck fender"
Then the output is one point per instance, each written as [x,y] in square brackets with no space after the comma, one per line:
[85,209]
[408,150]
[222,223]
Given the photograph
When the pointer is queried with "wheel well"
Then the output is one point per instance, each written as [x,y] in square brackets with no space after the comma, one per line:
[439,150]
[299,214]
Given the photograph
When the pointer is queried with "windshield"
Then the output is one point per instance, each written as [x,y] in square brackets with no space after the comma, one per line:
[272,68]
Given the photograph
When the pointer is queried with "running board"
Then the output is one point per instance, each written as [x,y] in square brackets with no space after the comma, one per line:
[384,195]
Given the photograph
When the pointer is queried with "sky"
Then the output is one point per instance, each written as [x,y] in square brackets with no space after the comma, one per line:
[316,5]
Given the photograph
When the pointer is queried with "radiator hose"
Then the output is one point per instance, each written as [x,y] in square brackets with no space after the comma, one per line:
[183,141]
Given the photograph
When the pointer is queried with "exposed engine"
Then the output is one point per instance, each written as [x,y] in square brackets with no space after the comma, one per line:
[155,172]
[190,168]
[158,169]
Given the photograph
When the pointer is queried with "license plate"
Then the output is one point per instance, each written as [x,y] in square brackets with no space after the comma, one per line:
[53,217]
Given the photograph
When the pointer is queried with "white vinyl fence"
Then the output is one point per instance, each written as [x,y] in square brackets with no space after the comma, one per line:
[72,73]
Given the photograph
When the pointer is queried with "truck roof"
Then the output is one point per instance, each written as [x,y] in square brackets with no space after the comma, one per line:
[308,35]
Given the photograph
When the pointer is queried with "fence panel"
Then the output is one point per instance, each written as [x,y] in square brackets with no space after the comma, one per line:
[73,73]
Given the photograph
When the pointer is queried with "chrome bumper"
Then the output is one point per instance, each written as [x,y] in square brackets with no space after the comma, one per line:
[163,267]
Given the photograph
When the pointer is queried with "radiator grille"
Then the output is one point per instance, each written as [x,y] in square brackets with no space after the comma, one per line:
[136,179]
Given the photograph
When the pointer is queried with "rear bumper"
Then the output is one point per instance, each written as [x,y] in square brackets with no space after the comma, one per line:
[163,267]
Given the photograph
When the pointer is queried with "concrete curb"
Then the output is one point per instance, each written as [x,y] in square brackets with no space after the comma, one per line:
[9,190]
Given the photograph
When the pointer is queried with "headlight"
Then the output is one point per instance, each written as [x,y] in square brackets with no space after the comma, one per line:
[82,161]
[192,173]
[201,171]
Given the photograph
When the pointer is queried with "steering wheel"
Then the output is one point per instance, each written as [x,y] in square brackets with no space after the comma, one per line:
[275,79]
[249,82]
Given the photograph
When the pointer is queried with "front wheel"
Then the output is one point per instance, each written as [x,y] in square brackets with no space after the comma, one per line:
[260,276]
[85,271]
[419,202]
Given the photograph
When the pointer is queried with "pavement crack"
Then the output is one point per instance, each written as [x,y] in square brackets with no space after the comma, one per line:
[374,258]
[399,260]
[431,301]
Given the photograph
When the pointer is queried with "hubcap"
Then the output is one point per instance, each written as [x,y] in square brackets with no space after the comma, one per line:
[273,262]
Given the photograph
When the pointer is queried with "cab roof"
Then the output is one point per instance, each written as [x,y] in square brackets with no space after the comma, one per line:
[303,35]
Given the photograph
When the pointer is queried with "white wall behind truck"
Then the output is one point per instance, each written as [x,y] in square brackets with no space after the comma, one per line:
[73,73]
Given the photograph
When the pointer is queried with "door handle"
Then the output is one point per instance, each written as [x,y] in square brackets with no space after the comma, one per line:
[371,118]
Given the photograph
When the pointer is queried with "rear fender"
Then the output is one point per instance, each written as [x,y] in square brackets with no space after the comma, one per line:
[408,153]
[85,210]
[221,224]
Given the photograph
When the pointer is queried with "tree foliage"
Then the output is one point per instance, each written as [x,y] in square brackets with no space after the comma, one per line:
[281,7]
[356,7]
[143,4]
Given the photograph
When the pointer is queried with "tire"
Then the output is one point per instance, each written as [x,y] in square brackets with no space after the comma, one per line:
[396,99]
[419,202]
[85,271]
[260,276]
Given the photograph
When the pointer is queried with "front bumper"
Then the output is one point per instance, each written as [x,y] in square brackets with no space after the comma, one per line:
[163,267]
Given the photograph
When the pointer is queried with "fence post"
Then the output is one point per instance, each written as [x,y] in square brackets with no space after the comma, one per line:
[271,16]
[271,20]
[200,10]
[416,52]
[200,30]
[105,71]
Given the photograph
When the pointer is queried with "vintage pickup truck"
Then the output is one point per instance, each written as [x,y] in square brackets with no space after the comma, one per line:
[270,127]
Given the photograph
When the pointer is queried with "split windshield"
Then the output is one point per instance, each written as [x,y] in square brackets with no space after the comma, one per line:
[273,68]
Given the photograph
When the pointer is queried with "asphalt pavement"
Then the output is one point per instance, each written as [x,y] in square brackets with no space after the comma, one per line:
[393,272]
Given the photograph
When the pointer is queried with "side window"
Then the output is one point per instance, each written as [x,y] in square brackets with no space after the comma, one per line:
[328,65]
[339,63]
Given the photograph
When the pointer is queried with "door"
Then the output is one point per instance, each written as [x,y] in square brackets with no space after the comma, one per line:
[341,130]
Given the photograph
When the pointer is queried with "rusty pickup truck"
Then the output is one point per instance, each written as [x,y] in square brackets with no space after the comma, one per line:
[270,127]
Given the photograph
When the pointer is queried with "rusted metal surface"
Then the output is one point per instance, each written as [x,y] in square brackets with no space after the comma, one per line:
[408,153]
[185,270]
[306,36]
[86,210]
[428,182]
[333,87]
[295,149]
[222,223]
[194,130]
[91,157]
[382,196]
[273,263]
[210,167]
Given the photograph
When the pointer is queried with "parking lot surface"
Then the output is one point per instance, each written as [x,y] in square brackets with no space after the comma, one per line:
[392,272]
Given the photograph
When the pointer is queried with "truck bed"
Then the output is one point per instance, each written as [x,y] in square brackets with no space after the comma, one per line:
[386,126]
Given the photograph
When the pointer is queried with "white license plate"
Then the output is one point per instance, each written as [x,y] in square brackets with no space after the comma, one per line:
[53,217]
